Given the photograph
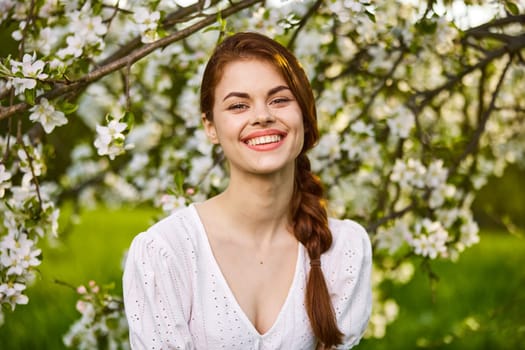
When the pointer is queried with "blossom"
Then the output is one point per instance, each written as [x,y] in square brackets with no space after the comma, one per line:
[31,69]
[430,239]
[5,7]
[110,139]
[409,173]
[436,174]
[12,294]
[47,39]
[47,115]
[469,232]
[440,194]
[444,37]
[392,238]
[32,165]
[75,47]
[171,203]
[90,28]
[147,23]
[401,123]
[185,3]
[5,176]
[360,127]
[18,254]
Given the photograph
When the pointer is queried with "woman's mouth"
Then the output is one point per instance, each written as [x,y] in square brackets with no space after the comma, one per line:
[263,140]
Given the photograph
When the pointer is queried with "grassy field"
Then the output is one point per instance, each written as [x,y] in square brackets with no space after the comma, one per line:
[478,303]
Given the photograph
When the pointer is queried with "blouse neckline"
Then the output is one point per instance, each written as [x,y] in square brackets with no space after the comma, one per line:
[215,265]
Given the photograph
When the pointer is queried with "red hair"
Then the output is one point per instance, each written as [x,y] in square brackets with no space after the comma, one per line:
[307,208]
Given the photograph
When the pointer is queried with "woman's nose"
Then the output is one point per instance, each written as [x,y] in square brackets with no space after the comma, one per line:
[263,116]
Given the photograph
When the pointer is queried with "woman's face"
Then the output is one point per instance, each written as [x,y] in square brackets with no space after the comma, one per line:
[256,118]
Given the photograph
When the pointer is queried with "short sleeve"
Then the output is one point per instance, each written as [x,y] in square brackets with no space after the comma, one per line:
[157,295]
[351,288]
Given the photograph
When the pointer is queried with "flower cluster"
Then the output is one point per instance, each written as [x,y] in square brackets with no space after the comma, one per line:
[102,325]
[147,23]
[111,139]
[85,31]
[28,215]
[25,74]
[47,116]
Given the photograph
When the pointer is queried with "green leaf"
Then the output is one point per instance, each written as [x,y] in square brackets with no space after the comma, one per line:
[211,28]
[129,118]
[512,8]
[426,26]
[371,16]
[30,95]
[179,182]
[68,107]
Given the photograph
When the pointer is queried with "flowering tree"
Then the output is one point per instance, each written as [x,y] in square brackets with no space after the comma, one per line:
[417,107]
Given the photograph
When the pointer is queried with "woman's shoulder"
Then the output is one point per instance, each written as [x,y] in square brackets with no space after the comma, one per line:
[349,235]
[174,231]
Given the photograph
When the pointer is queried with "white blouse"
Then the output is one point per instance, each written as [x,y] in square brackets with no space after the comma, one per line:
[176,297]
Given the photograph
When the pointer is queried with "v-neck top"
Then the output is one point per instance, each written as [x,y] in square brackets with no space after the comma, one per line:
[176,296]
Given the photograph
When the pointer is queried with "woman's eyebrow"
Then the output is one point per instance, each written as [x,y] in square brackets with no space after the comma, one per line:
[236,94]
[277,89]
[245,95]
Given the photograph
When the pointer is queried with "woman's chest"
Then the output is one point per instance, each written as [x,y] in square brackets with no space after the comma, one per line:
[218,319]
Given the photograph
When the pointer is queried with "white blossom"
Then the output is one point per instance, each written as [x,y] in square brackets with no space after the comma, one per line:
[11,293]
[436,174]
[185,3]
[5,176]
[392,238]
[410,173]
[440,193]
[47,115]
[171,203]
[401,123]
[147,22]
[444,37]
[110,139]
[429,239]
[47,40]
[75,47]
[31,68]
[91,29]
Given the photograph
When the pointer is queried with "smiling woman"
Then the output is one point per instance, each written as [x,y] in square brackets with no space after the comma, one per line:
[259,266]
[258,122]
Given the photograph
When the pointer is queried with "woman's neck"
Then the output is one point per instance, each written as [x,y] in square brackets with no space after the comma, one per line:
[259,205]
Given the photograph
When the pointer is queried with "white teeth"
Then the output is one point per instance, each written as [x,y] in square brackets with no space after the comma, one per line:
[263,140]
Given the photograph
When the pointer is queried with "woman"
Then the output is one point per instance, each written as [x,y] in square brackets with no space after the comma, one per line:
[259,266]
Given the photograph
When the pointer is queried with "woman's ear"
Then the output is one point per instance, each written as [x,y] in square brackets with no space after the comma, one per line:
[209,128]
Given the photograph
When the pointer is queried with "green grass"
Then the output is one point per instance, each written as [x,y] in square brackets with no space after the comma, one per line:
[487,284]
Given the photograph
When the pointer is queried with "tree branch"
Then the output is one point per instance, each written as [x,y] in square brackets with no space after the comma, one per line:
[302,23]
[129,59]
[473,144]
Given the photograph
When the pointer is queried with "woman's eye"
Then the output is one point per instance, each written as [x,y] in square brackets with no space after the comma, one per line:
[280,100]
[237,107]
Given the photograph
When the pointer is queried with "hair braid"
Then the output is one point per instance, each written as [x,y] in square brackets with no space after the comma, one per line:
[310,222]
